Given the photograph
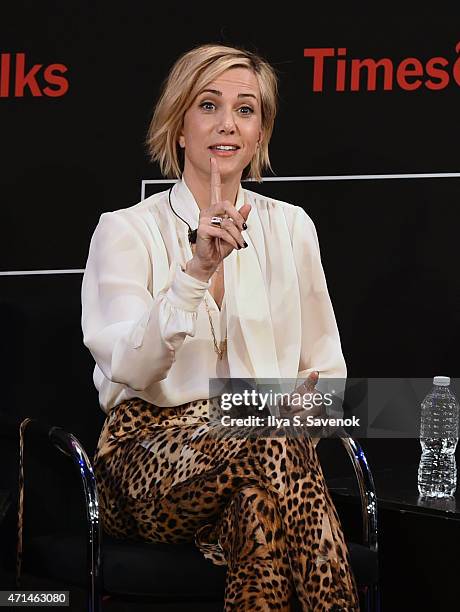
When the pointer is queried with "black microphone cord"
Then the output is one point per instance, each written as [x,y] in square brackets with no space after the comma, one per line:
[191,233]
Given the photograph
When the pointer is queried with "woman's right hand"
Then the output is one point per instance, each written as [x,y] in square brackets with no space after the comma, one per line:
[213,243]
[308,392]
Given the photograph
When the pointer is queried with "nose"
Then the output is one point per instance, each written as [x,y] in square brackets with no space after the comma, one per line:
[227,123]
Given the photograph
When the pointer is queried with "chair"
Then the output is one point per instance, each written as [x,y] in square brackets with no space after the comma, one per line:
[139,571]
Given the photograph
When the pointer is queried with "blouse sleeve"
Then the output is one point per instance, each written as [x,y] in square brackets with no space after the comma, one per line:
[133,336]
[320,347]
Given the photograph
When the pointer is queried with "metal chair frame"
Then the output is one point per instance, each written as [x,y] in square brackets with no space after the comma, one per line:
[70,446]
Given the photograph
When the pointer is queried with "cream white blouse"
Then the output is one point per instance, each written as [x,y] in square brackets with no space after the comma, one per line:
[145,321]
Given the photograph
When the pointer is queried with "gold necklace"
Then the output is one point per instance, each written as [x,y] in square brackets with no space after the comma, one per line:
[219,349]
[222,348]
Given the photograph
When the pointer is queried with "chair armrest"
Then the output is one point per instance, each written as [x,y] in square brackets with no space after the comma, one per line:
[68,444]
[367,491]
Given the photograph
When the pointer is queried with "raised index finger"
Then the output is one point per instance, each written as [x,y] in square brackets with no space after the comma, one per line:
[216,194]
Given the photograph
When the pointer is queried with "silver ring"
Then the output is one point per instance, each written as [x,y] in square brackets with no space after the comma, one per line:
[216,221]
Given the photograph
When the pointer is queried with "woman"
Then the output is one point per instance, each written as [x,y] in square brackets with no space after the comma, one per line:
[209,280]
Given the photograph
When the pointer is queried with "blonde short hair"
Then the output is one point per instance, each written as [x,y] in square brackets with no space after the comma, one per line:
[192,71]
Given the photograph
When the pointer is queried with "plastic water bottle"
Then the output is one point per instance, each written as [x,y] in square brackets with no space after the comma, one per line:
[437,472]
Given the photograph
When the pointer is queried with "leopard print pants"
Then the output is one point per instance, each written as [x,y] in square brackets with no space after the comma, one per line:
[259,505]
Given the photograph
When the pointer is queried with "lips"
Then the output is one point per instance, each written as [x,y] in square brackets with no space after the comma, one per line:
[222,144]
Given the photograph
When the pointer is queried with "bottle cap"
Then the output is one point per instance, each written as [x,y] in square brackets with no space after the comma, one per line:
[443,381]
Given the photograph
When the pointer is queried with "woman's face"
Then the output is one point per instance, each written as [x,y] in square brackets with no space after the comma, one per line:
[226,112]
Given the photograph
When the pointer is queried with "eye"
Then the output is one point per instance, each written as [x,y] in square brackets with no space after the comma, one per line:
[248,109]
[206,104]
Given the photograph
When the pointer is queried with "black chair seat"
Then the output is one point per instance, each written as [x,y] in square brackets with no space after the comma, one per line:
[159,569]
[164,571]
[154,570]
